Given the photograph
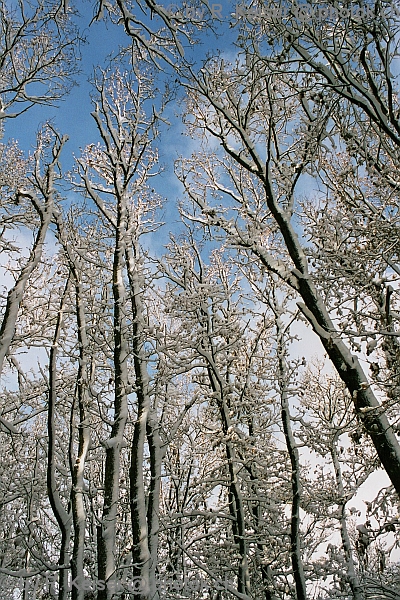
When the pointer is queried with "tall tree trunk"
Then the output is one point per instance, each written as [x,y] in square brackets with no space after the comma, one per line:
[16,293]
[140,517]
[45,212]
[153,508]
[346,364]
[77,495]
[62,516]
[295,537]
[236,507]
[107,533]
[78,466]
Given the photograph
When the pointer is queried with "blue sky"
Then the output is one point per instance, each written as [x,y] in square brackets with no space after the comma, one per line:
[72,115]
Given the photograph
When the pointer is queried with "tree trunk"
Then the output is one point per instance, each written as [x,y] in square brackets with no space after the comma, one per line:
[236,507]
[295,539]
[77,495]
[107,534]
[78,468]
[352,578]
[141,556]
[62,516]
[153,508]
[347,365]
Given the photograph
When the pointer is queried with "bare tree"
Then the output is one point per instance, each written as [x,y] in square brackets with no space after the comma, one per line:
[38,50]
[263,100]
[42,199]
[233,117]
[326,409]
[236,371]
[115,177]
[284,382]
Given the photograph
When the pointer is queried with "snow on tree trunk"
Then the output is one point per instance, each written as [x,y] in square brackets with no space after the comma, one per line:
[140,531]
[354,582]
[77,495]
[62,516]
[295,535]
[145,521]
[106,558]
[78,470]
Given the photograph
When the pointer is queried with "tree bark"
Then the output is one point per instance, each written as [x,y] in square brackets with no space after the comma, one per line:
[141,518]
[78,467]
[77,494]
[107,534]
[62,516]
[352,578]
[295,536]
[236,507]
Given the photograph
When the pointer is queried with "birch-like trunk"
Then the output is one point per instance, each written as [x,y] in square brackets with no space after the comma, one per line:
[153,507]
[107,531]
[62,516]
[129,159]
[295,536]
[77,495]
[16,293]
[78,466]
[45,212]
[347,365]
[142,559]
